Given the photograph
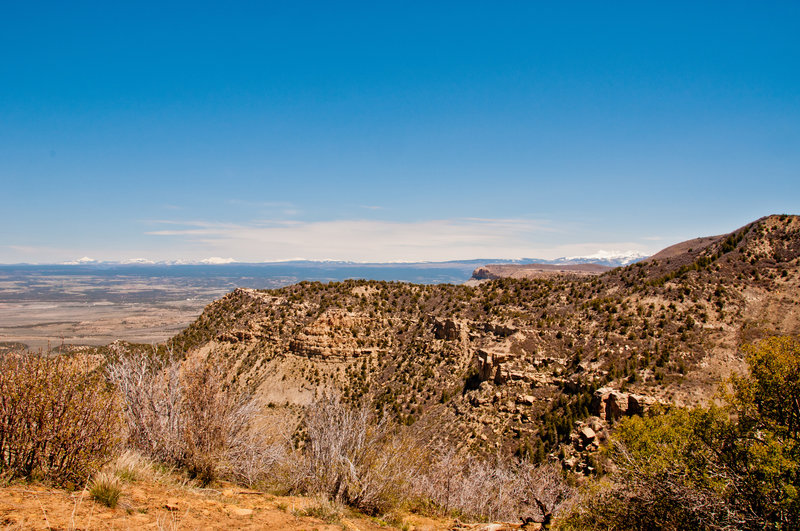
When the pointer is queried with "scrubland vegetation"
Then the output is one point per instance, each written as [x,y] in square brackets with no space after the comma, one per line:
[345,453]
[733,464]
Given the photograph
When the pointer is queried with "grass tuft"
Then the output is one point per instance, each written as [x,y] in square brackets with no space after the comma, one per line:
[106,489]
[326,510]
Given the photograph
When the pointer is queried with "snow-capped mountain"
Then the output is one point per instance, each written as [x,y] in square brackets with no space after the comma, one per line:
[608,258]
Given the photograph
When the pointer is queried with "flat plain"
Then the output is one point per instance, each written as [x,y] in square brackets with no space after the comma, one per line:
[48,309]
[95,304]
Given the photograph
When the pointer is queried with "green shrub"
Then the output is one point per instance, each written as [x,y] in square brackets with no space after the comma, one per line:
[734,466]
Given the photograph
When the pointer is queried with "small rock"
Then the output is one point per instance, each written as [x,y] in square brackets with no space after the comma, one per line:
[587,435]
[527,400]
[171,505]
[241,511]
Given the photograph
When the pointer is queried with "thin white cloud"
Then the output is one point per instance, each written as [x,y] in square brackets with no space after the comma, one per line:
[284,207]
[349,240]
[28,248]
[378,241]
[10,254]
[189,223]
[260,204]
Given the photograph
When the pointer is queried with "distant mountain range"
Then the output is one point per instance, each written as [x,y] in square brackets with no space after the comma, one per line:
[222,274]
[606,258]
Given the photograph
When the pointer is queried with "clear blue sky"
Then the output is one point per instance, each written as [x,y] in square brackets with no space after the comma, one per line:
[391,130]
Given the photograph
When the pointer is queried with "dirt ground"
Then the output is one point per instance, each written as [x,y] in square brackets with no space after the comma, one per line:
[152,505]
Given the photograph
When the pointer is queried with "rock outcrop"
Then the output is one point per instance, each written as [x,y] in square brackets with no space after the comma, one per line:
[611,404]
[446,329]
[490,365]
[334,335]
[530,271]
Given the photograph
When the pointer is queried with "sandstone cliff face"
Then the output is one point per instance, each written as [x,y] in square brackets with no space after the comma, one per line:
[335,335]
[516,361]
[532,271]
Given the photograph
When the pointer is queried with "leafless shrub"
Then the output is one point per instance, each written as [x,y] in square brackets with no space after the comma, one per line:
[181,417]
[212,419]
[545,487]
[344,454]
[152,396]
[58,421]
[259,458]
[354,458]
[351,457]
[494,490]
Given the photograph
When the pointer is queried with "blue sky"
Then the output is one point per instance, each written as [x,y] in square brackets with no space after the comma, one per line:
[391,131]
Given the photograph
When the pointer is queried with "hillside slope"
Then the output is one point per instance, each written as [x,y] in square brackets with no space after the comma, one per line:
[514,364]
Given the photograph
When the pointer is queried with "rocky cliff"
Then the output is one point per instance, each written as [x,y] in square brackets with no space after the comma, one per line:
[521,271]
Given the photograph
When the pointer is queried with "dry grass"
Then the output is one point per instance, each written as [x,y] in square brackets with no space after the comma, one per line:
[330,512]
[106,488]
[130,467]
